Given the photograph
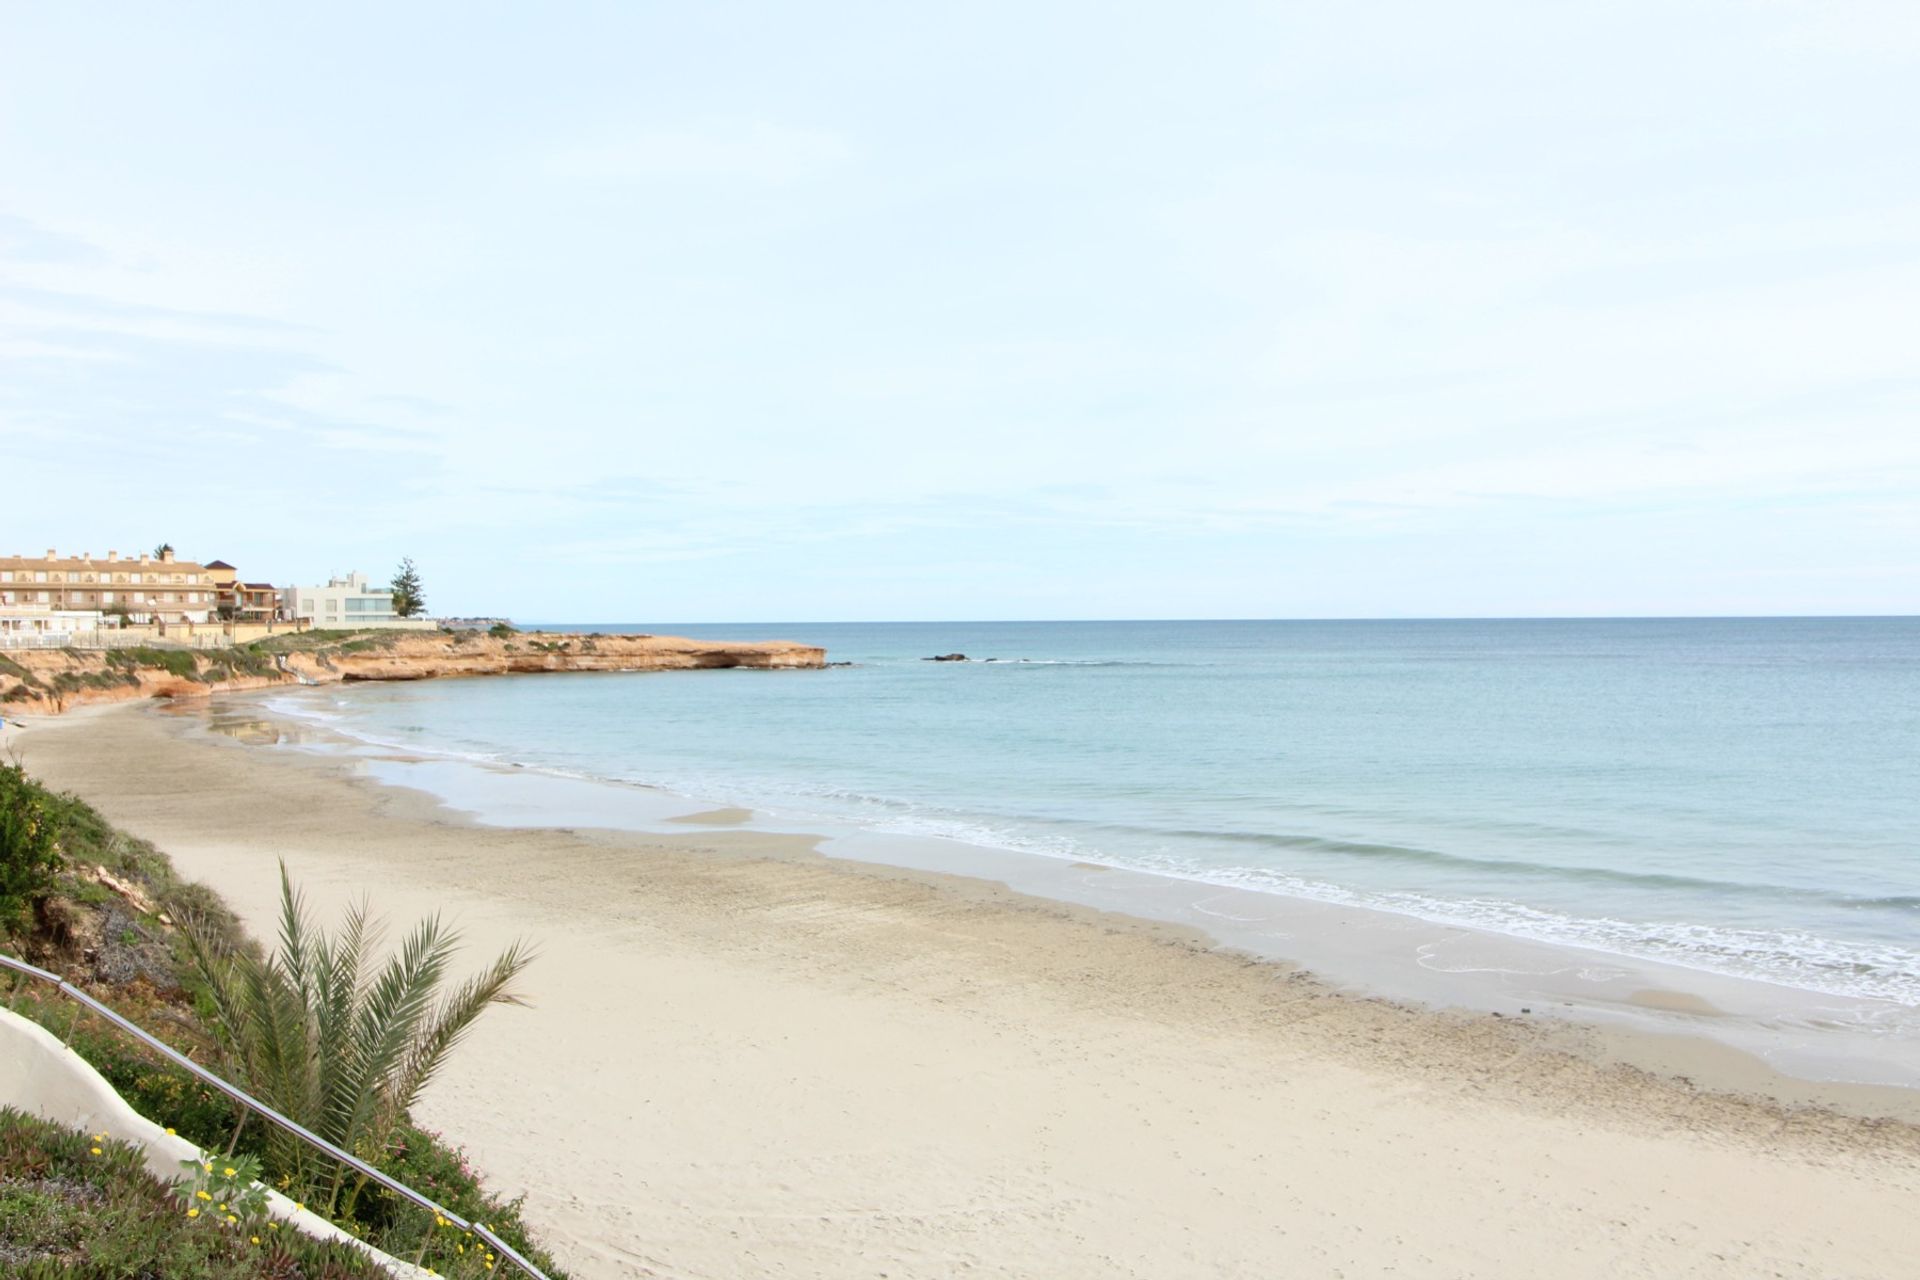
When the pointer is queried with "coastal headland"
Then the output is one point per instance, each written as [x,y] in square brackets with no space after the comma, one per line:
[49,681]
[745,1058]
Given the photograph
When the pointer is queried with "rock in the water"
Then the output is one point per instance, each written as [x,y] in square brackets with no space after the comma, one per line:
[947,657]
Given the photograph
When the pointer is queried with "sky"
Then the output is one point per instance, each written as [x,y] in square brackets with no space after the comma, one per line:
[650,313]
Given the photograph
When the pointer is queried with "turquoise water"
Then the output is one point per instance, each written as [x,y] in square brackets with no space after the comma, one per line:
[1737,796]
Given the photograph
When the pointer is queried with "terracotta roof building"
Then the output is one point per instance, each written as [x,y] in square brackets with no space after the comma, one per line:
[242,601]
[146,588]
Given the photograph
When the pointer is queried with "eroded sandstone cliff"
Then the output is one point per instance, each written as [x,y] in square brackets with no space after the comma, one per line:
[54,680]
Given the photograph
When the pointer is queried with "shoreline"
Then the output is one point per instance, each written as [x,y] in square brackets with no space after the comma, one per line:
[1783,1041]
[992,1077]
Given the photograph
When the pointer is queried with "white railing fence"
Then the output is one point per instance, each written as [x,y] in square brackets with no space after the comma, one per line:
[97,640]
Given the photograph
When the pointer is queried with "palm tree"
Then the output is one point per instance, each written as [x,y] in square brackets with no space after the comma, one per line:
[315,1032]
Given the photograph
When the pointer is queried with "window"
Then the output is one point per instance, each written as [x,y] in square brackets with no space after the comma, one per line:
[41,576]
[6,575]
[136,577]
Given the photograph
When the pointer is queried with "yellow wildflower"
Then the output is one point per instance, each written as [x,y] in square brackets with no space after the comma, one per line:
[229,1171]
[201,1195]
[96,1151]
[256,1239]
[169,1133]
[231,1218]
[194,1212]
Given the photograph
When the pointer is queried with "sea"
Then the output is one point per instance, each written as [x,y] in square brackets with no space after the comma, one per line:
[1727,797]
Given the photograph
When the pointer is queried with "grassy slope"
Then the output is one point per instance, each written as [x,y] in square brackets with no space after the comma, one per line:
[122,948]
[74,1205]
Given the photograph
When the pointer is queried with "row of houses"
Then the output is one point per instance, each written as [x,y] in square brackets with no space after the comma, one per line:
[67,594]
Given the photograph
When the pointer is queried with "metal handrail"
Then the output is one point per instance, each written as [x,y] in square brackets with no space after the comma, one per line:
[246,1100]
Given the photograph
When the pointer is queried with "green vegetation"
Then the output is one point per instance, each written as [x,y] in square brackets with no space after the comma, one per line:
[241,660]
[503,630]
[29,686]
[315,1034]
[103,915]
[66,682]
[344,641]
[29,845]
[409,601]
[175,662]
[75,1205]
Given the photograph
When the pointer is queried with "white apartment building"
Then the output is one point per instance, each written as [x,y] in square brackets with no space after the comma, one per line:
[346,603]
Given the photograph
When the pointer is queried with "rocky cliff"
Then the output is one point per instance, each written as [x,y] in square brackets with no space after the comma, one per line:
[50,681]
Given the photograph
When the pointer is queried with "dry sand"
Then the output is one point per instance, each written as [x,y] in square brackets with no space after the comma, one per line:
[746,1060]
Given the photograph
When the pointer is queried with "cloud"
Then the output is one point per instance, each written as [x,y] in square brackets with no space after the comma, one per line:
[755,151]
[23,240]
[85,306]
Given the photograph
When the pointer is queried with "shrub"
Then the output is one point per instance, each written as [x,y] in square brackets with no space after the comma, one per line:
[315,1032]
[176,1005]
[77,1205]
[175,662]
[243,660]
[29,845]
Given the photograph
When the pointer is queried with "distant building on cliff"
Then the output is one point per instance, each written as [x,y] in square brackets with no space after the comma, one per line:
[345,603]
[239,601]
[76,593]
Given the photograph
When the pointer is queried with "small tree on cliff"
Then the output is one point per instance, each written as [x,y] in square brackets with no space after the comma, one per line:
[409,601]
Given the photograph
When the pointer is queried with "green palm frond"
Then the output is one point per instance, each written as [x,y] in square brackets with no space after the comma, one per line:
[334,1042]
[454,1017]
[388,1020]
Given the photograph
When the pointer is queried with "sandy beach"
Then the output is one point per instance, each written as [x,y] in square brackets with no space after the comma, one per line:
[745,1059]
